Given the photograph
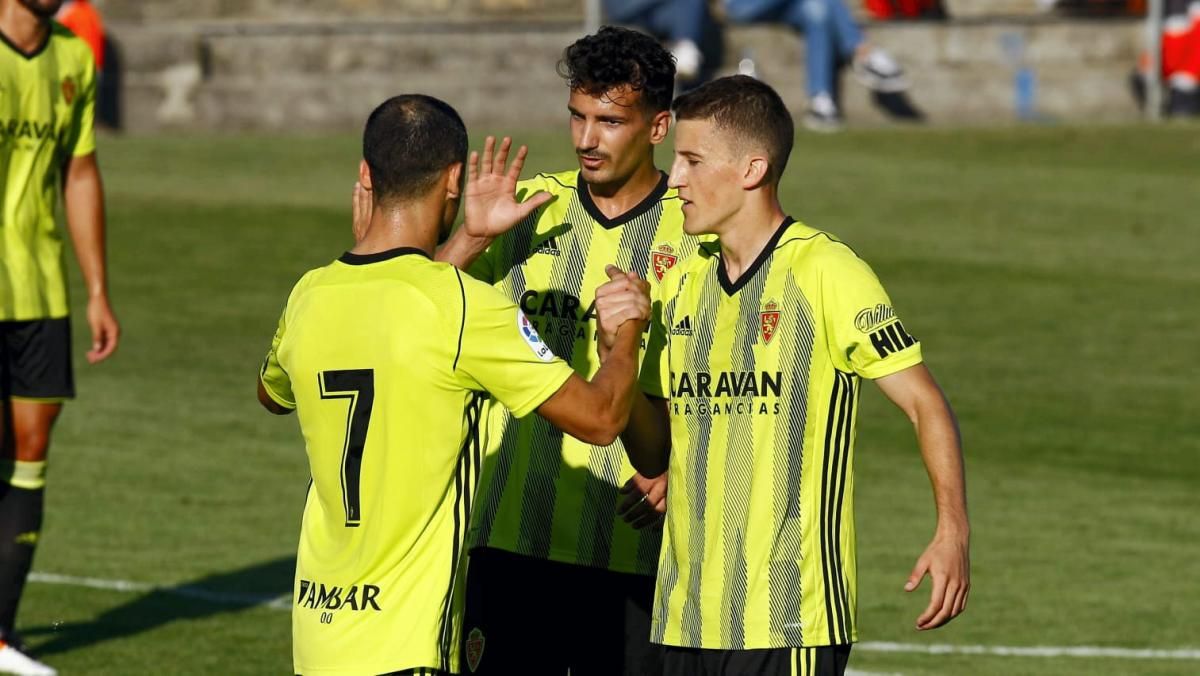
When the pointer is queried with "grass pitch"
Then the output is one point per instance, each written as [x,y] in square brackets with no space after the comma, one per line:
[1050,273]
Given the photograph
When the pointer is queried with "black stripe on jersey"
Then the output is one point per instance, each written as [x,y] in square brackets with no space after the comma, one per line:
[738,471]
[750,272]
[647,203]
[598,517]
[698,349]
[468,460]
[846,433]
[784,587]
[462,326]
[837,442]
[545,440]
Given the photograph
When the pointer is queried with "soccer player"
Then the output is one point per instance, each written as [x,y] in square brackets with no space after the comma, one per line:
[388,356]
[754,371]
[557,580]
[47,99]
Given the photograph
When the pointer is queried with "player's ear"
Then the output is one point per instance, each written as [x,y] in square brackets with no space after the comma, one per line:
[660,124]
[454,180]
[757,172]
[364,174]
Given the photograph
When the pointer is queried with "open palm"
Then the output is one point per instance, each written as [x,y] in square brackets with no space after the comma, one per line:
[491,204]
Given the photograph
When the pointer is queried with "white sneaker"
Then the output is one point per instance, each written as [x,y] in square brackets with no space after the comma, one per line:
[879,72]
[822,115]
[688,59]
[13,661]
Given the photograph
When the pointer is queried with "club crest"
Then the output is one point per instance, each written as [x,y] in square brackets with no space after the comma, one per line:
[68,90]
[768,321]
[663,258]
[475,643]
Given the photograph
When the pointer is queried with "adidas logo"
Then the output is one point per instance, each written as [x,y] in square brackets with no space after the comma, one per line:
[549,247]
[683,328]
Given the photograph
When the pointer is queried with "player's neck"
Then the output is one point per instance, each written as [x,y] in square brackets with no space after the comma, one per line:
[615,199]
[747,232]
[22,28]
[412,225]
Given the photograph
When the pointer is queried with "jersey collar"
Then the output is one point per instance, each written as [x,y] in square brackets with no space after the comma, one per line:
[366,259]
[733,287]
[29,56]
[585,198]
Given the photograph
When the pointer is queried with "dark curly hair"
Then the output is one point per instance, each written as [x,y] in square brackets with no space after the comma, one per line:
[613,57]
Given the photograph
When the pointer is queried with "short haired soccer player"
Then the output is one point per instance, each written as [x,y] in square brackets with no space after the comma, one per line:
[47,104]
[558,580]
[753,372]
[388,356]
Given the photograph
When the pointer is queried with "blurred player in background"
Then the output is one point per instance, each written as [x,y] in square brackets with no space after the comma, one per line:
[47,101]
[754,368]
[387,356]
[556,580]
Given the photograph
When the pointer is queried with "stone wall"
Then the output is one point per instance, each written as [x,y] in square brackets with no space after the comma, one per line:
[323,64]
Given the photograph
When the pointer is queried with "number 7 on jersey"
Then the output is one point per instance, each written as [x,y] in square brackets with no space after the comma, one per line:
[357,385]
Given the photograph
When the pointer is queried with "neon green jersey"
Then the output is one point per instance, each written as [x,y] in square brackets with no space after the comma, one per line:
[545,494]
[47,102]
[762,379]
[387,359]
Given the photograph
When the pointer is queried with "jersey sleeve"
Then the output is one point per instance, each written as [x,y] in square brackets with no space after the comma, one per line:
[274,379]
[500,351]
[81,134]
[655,373]
[865,335]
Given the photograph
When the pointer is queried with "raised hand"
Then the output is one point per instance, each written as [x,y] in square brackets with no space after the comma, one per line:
[491,205]
[625,297]
[947,562]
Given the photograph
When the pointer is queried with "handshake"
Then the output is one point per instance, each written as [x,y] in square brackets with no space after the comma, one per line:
[622,304]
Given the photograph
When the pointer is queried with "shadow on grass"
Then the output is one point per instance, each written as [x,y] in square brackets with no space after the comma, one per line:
[216,594]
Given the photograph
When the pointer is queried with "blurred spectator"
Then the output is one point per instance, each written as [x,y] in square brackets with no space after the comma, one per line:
[687,26]
[83,19]
[906,9]
[831,39]
[1180,59]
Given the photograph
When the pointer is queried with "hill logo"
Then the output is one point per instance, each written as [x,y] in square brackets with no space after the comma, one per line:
[663,258]
[891,338]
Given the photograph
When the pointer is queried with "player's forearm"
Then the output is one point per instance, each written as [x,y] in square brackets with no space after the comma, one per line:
[941,450]
[462,248]
[616,381]
[83,196]
[647,437]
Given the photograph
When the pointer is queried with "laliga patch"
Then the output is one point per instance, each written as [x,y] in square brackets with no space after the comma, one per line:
[475,643]
[531,338]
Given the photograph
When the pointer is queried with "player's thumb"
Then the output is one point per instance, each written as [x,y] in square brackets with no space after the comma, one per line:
[917,574]
[613,272]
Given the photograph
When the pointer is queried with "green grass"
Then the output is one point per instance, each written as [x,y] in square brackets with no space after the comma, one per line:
[1050,273]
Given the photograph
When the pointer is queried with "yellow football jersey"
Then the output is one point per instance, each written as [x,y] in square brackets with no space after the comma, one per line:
[762,379]
[47,102]
[545,494]
[387,359]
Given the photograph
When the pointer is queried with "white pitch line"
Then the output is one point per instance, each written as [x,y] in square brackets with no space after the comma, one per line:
[283,602]
[1033,651]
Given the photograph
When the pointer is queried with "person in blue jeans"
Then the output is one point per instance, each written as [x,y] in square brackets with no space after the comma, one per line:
[687,26]
[832,37]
